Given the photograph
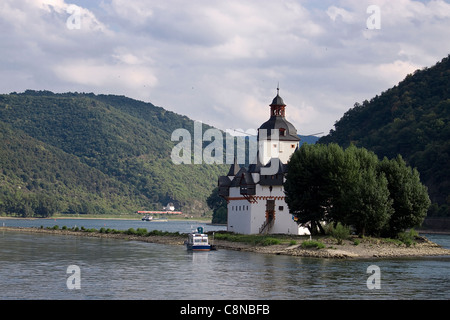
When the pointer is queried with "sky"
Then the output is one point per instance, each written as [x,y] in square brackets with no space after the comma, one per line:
[220,62]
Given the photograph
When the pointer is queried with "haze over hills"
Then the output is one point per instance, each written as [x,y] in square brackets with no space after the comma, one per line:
[411,119]
[89,153]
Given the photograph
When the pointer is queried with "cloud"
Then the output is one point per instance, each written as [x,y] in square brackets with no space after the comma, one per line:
[95,74]
[220,61]
[336,13]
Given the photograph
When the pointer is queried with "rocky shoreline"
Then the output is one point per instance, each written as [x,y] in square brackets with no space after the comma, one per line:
[366,248]
[373,248]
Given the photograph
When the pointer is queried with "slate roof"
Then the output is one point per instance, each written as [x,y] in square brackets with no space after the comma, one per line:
[277,101]
[277,122]
[234,169]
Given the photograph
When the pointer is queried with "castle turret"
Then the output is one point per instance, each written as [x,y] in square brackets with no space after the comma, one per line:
[277,137]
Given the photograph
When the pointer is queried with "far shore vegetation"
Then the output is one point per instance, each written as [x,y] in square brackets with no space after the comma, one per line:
[125,216]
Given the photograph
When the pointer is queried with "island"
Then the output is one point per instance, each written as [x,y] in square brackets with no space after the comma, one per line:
[353,247]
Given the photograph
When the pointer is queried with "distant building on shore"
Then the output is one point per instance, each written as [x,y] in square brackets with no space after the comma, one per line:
[255,195]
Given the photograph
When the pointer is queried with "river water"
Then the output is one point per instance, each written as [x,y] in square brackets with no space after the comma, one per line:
[39,266]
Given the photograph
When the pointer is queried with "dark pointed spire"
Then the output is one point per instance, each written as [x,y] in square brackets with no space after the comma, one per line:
[278,101]
[234,169]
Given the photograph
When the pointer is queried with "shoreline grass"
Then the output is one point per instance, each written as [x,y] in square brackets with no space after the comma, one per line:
[143,232]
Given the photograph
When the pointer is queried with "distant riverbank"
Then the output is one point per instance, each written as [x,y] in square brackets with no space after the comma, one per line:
[353,249]
[111,217]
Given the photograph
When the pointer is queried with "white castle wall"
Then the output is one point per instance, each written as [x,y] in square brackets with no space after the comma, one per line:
[276,149]
[247,218]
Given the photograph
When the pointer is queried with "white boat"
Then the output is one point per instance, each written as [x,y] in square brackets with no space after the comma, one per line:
[147,217]
[198,241]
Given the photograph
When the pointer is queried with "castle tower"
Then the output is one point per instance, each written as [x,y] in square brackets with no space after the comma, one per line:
[277,137]
[255,197]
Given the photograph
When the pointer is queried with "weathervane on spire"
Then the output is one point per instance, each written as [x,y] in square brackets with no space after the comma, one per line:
[278,88]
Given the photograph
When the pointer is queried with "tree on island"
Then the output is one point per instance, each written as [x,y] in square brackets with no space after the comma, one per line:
[326,183]
[219,207]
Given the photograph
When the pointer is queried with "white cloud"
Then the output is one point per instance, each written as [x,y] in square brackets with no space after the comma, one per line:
[220,61]
[336,13]
[95,73]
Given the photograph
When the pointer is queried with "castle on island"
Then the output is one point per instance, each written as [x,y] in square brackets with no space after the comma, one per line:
[255,194]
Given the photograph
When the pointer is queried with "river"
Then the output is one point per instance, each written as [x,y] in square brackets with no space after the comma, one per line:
[39,266]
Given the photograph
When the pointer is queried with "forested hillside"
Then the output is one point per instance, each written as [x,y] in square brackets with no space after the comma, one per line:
[87,153]
[411,119]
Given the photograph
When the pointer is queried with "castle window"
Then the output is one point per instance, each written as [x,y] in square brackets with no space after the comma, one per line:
[292,146]
[280,208]
[282,132]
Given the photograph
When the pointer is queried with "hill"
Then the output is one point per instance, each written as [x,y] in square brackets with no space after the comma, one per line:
[91,153]
[411,119]
[308,139]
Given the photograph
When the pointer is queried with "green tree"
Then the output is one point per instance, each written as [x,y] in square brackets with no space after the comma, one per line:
[371,205]
[366,202]
[343,171]
[325,183]
[220,215]
[218,205]
[307,187]
[45,206]
[409,195]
